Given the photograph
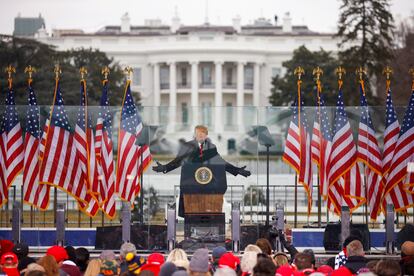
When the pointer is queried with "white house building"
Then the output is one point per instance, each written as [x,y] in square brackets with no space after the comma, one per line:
[199,74]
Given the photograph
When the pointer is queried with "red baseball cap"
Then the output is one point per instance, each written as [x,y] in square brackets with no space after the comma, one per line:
[229,260]
[58,252]
[9,258]
[155,258]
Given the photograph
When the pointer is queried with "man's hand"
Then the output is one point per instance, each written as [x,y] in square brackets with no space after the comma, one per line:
[244,172]
[159,168]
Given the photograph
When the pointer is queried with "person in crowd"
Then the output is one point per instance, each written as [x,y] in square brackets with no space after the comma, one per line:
[265,246]
[264,267]
[82,259]
[230,261]
[32,268]
[280,258]
[6,246]
[167,269]
[225,271]
[312,255]
[124,250]
[215,256]
[248,262]
[284,270]
[109,268]
[356,260]
[199,264]
[178,257]
[154,263]
[325,269]
[70,250]
[407,258]
[134,263]
[287,244]
[9,263]
[107,255]
[388,268]
[22,252]
[252,248]
[93,268]
[303,264]
[342,256]
[50,265]
[62,259]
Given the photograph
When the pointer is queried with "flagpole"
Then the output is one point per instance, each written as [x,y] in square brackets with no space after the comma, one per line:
[340,71]
[29,70]
[361,72]
[318,72]
[298,72]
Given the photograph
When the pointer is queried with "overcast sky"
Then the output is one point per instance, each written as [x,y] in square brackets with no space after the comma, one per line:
[90,15]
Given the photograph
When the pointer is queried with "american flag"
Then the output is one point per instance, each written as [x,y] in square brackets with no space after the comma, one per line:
[342,161]
[85,146]
[33,193]
[127,174]
[298,150]
[104,155]
[60,165]
[369,153]
[321,144]
[403,154]
[11,147]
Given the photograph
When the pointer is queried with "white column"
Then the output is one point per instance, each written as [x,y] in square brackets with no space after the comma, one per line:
[173,98]
[157,92]
[218,98]
[194,92]
[240,95]
[256,85]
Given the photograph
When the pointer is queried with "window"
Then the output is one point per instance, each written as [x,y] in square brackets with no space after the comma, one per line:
[183,76]
[206,75]
[229,114]
[136,76]
[276,71]
[248,77]
[184,113]
[229,76]
[164,77]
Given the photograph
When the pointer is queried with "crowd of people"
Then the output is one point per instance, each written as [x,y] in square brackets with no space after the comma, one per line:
[256,260]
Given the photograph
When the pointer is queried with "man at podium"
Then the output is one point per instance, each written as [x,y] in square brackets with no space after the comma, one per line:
[202,164]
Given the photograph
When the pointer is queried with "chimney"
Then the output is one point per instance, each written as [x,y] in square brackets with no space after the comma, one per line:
[287,23]
[237,24]
[125,23]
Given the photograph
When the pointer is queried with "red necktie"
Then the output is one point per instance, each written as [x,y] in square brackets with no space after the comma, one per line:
[201,150]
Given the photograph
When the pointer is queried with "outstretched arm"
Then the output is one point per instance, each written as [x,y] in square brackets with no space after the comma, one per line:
[175,163]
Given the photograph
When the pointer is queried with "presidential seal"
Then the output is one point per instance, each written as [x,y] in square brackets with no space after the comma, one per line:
[203,175]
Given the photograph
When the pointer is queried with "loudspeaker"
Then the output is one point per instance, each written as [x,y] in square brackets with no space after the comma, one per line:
[332,236]
[144,237]
[206,227]
[250,233]
[406,234]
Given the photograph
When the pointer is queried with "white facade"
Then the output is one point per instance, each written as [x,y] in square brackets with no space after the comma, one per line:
[200,72]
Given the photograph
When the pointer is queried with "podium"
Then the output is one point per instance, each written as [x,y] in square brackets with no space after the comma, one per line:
[203,186]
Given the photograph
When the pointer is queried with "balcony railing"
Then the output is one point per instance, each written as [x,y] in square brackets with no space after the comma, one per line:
[183,85]
[229,85]
[207,85]
[248,86]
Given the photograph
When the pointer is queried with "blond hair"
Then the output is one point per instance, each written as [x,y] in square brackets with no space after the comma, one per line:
[94,267]
[201,128]
[179,258]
